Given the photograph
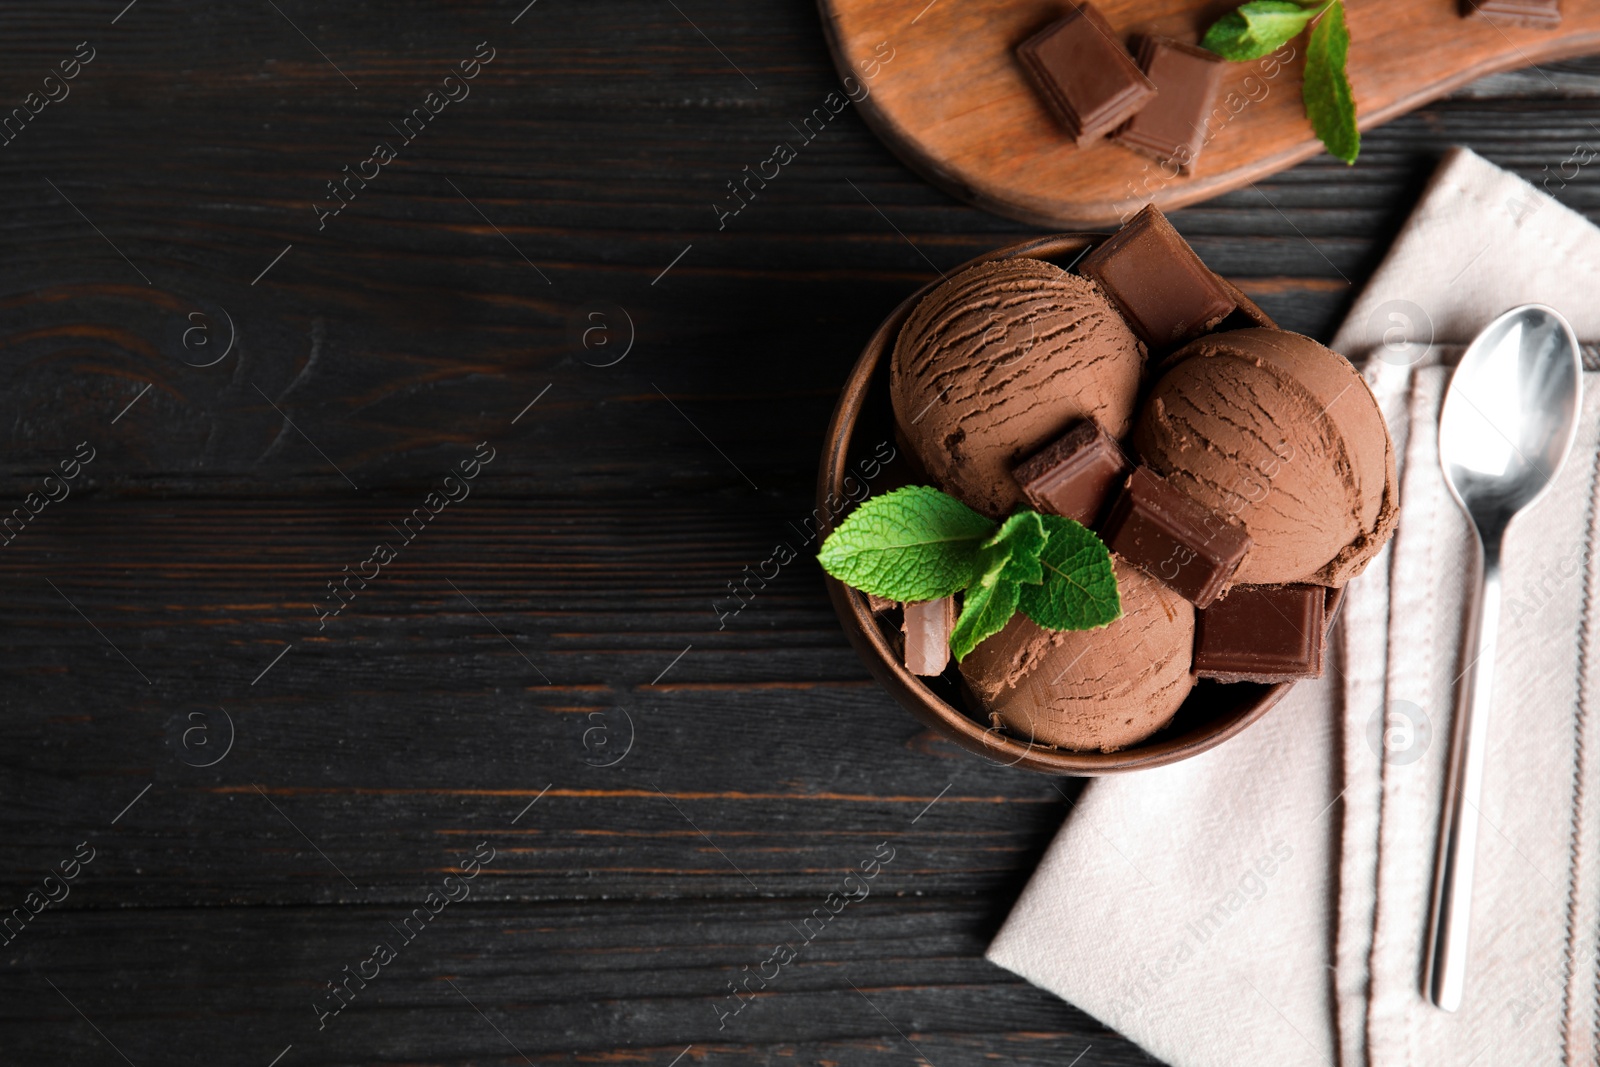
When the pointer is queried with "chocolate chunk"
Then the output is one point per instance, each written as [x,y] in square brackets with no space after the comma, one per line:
[1166,533]
[1167,295]
[1085,75]
[1172,127]
[1246,314]
[927,627]
[1074,475]
[1536,14]
[879,604]
[1263,633]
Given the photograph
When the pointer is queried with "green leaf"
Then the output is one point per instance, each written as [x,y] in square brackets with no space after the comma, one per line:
[1020,540]
[1079,591]
[915,543]
[920,544]
[1330,105]
[1258,28]
[1008,559]
[986,607]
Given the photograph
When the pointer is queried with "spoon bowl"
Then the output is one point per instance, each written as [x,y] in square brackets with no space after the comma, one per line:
[1507,425]
[1510,414]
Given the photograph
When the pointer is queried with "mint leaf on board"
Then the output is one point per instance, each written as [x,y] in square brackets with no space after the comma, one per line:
[915,543]
[1330,105]
[1021,539]
[1079,591]
[986,607]
[1258,28]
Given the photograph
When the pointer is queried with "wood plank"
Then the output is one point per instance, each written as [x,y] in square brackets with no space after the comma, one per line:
[420,715]
[183,986]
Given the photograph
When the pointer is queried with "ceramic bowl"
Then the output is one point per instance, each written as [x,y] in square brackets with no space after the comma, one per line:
[862,421]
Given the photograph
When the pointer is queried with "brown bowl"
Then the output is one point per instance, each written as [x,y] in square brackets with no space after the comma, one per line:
[1213,711]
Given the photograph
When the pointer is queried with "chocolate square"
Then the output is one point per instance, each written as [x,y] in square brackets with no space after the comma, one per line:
[1158,283]
[1534,14]
[1263,633]
[1074,475]
[1172,127]
[1170,536]
[1246,314]
[927,625]
[1085,75]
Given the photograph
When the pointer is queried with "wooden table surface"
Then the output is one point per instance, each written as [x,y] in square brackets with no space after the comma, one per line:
[548,671]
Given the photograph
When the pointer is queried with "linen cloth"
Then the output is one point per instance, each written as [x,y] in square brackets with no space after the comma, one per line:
[1267,902]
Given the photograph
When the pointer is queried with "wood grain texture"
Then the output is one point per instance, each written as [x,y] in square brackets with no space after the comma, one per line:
[963,113]
[595,544]
[547,978]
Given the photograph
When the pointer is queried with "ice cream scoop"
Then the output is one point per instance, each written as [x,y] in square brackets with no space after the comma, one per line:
[998,361]
[1275,432]
[1100,689]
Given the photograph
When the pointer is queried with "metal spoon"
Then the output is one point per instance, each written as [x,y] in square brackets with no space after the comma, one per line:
[1508,422]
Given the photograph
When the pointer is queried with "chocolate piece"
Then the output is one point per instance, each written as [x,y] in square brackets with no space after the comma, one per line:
[1263,633]
[1173,126]
[1246,313]
[927,628]
[1085,75]
[1074,475]
[1167,295]
[879,604]
[1162,530]
[1536,14]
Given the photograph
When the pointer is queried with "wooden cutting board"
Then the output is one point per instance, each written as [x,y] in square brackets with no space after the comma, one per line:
[944,90]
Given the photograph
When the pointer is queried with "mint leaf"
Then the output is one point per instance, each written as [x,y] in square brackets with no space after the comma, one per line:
[915,543]
[1020,540]
[1258,28]
[1330,105]
[1007,559]
[986,607]
[1079,591]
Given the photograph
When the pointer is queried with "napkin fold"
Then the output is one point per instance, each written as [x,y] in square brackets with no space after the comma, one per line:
[1267,902]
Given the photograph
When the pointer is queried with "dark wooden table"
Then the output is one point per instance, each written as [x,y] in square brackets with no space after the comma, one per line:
[547,670]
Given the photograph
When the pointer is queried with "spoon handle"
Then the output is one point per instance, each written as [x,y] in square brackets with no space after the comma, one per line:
[1458,822]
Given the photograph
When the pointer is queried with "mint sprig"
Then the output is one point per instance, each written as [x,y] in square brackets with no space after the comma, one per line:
[1017,546]
[917,543]
[1261,27]
[986,607]
[1005,561]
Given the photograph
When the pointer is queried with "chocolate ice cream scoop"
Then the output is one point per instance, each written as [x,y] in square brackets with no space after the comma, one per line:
[1278,434]
[998,361]
[1091,689]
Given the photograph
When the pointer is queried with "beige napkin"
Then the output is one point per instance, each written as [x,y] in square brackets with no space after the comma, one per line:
[1267,902]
